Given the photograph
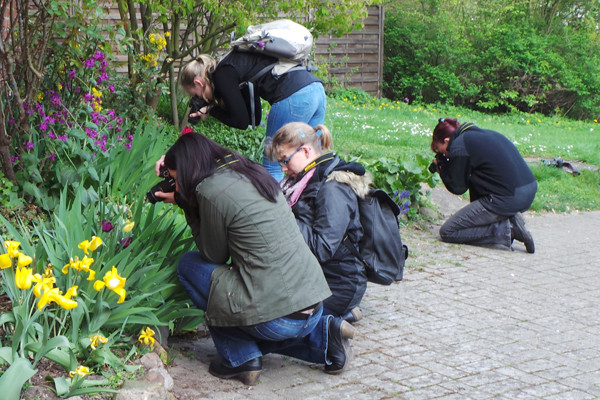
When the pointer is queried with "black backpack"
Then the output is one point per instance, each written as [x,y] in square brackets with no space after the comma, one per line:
[380,249]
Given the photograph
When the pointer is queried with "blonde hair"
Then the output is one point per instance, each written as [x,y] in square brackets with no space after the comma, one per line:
[298,134]
[202,67]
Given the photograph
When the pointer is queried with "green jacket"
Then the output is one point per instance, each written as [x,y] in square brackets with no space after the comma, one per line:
[272,272]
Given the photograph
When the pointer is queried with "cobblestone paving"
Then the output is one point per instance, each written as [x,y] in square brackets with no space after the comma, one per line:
[466,323]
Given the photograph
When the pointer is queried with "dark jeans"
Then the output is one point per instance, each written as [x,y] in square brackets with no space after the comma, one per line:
[474,224]
[302,339]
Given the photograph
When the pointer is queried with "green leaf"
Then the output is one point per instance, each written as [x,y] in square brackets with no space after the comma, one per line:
[13,379]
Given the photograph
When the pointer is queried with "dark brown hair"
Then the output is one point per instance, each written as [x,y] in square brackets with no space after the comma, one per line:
[444,128]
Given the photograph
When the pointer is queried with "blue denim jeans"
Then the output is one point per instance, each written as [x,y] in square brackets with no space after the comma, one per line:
[306,105]
[302,339]
[474,224]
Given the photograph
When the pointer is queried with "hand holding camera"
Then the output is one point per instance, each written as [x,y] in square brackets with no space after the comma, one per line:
[198,110]
[439,161]
[167,185]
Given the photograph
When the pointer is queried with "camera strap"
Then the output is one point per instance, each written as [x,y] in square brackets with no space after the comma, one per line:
[225,161]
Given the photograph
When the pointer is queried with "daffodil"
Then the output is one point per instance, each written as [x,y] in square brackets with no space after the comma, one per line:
[54,295]
[24,260]
[81,371]
[147,337]
[96,340]
[23,278]
[114,282]
[12,248]
[128,226]
[5,261]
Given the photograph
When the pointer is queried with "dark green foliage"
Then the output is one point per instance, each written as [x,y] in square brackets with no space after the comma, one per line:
[495,57]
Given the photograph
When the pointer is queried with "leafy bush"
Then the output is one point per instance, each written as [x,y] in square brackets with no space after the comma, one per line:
[402,178]
[507,57]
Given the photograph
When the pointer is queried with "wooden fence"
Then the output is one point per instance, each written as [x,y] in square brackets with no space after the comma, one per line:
[353,60]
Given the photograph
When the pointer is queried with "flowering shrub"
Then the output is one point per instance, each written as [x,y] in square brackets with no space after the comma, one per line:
[75,301]
[72,132]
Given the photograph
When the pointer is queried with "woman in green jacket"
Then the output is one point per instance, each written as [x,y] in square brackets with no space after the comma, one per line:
[268,297]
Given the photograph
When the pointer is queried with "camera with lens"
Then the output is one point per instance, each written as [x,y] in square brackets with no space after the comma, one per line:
[196,103]
[441,160]
[167,185]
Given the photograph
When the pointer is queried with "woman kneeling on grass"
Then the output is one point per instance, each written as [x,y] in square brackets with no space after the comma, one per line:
[323,192]
[268,299]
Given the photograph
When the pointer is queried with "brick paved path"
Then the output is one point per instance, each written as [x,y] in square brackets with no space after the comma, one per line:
[466,323]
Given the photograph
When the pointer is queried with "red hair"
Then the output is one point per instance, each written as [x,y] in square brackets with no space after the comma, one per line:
[444,128]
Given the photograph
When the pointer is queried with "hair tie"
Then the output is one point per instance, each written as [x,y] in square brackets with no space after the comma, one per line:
[300,132]
[318,132]
[442,120]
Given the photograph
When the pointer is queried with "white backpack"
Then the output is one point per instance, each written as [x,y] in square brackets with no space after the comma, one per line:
[283,39]
[286,40]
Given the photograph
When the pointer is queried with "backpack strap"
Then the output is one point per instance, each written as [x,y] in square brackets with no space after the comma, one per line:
[260,74]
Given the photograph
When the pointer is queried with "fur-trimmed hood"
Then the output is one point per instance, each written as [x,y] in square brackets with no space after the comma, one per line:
[360,184]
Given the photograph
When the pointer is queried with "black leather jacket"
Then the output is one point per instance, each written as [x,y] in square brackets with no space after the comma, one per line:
[327,212]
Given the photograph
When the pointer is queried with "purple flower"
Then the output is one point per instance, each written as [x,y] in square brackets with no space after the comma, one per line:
[406,99]
[91,133]
[28,145]
[89,63]
[107,226]
[98,55]
[87,98]
[102,78]
[72,74]
[51,157]
[11,121]
[62,138]
[111,88]
[111,113]
[125,242]
[13,159]
[405,194]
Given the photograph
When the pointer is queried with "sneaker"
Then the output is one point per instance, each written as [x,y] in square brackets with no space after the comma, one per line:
[338,345]
[248,372]
[520,233]
[353,315]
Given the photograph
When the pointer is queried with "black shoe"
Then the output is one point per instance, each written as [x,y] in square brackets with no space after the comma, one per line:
[248,372]
[353,315]
[520,233]
[338,345]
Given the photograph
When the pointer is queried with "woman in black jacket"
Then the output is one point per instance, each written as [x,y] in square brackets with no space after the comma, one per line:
[297,95]
[500,184]
[323,192]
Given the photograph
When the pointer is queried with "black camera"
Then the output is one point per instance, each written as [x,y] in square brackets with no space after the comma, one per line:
[441,160]
[167,185]
[195,104]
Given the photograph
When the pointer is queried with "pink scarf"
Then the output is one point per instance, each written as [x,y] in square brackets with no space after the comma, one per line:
[292,190]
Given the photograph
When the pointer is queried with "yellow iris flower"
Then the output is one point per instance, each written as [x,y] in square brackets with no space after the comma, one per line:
[128,226]
[81,265]
[43,284]
[92,244]
[12,248]
[96,340]
[24,260]
[114,282]
[54,295]
[147,337]
[5,261]
[80,371]
[23,278]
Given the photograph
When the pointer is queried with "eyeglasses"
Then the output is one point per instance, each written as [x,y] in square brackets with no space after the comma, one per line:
[288,158]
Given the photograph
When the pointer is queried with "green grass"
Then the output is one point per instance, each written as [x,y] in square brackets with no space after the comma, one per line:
[374,128]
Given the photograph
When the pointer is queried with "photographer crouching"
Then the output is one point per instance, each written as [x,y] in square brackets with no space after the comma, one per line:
[501,186]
